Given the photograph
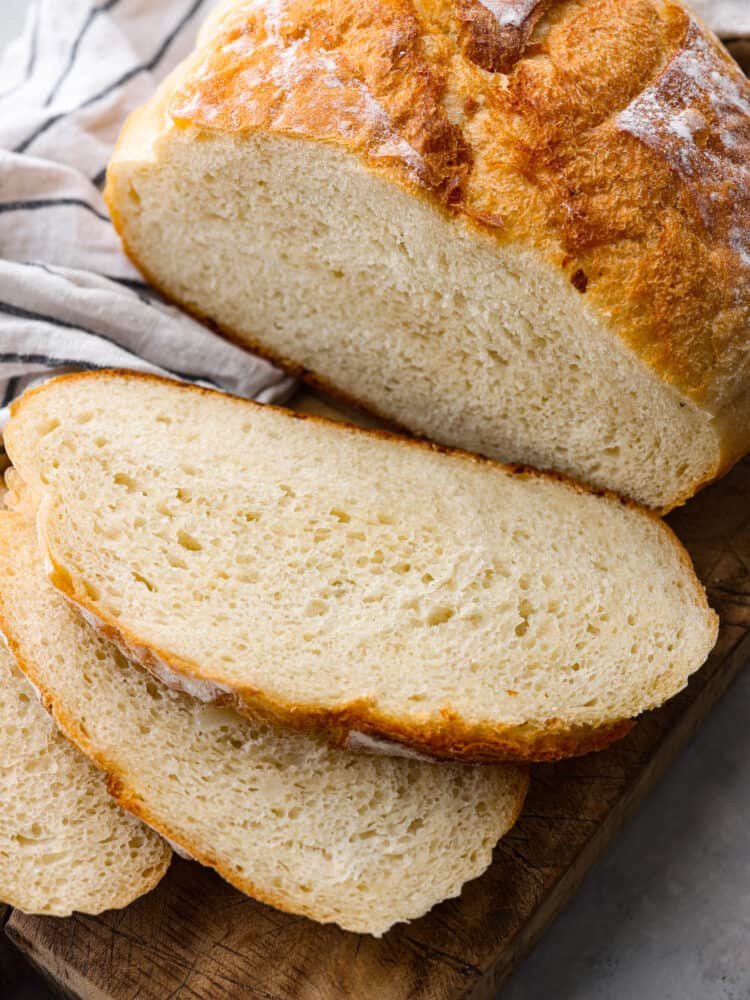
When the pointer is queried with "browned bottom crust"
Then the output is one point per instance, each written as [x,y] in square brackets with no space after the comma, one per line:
[450,739]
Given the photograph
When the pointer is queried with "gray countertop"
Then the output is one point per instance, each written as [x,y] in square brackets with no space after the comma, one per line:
[666,915]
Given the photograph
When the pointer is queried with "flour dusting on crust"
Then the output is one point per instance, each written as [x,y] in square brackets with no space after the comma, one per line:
[358,742]
[201,690]
[178,849]
[697,116]
[300,82]
[511,13]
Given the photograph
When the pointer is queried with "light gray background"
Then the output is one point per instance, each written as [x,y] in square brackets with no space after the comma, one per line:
[666,915]
[11,19]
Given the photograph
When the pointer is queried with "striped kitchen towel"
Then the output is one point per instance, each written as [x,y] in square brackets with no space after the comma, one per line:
[69,298]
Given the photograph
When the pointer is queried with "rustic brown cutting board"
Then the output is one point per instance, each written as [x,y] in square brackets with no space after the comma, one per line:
[196,937]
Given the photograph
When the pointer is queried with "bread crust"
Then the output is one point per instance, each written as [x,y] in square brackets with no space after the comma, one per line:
[546,153]
[451,738]
[126,892]
[127,796]
[552,141]
[495,35]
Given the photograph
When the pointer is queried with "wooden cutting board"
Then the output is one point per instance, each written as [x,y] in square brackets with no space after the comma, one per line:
[196,937]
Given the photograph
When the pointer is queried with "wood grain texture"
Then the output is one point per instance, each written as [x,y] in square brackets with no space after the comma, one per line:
[196,937]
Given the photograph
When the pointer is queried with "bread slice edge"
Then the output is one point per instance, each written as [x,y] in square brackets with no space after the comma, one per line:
[126,794]
[453,739]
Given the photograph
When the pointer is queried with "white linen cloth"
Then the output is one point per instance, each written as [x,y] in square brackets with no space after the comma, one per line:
[69,298]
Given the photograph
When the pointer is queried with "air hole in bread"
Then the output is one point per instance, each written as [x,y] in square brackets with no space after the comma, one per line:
[188,541]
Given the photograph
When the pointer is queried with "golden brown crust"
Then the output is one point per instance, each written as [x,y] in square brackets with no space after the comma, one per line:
[328,72]
[451,737]
[598,145]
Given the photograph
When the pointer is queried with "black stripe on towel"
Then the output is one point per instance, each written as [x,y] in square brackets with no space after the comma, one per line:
[134,284]
[20,313]
[36,317]
[24,206]
[121,81]
[47,361]
[93,13]
[10,389]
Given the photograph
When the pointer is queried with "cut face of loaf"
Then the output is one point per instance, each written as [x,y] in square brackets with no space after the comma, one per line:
[322,575]
[65,845]
[358,840]
[543,265]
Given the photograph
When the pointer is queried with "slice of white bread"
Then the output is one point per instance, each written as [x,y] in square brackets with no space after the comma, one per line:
[535,261]
[65,845]
[319,574]
[363,841]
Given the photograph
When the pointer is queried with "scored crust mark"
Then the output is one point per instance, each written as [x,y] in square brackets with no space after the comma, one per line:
[495,33]
[696,116]
[353,73]
[673,281]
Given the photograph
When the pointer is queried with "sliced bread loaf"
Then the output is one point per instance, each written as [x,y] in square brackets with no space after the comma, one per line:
[323,575]
[486,221]
[362,841]
[65,845]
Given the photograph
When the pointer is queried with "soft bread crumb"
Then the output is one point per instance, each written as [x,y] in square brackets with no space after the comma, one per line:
[406,592]
[358,840]
[65,846]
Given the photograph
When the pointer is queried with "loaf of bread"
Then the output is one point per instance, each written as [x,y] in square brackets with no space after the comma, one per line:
[65,846]
[385,589]
[362,841]
[519,227]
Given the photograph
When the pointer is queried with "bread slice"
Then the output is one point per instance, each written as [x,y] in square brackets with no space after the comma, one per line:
[65,845]
[362,841]
[502,236]
[322,575]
